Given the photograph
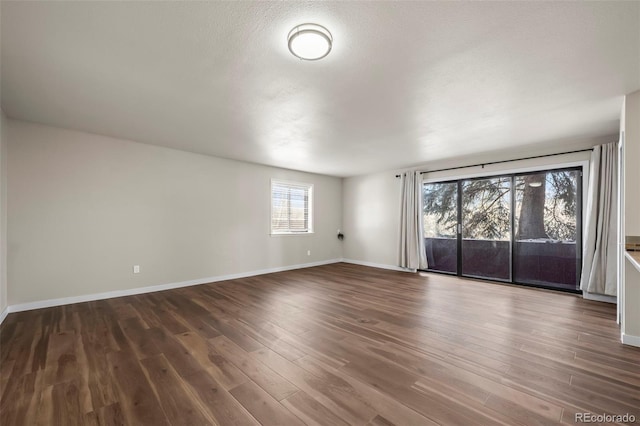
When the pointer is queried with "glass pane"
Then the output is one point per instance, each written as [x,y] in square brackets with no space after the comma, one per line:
[440,223]
[290,208]
[547,208]
[298,210]
[486,228]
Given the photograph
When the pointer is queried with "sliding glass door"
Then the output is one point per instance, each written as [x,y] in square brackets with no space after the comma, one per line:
[441,226]
[486,228]
[520,228]
[547,228]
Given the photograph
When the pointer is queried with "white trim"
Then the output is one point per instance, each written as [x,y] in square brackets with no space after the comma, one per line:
[621,234]
[4,314]
[628,339]
[141,290]
[599,297]
[378,265]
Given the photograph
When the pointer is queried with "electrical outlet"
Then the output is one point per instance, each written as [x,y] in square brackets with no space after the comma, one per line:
[308,252]
[136,269]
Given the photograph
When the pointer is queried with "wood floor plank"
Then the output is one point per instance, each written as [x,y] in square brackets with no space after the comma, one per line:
[220,367]
[19,399]
[274,384]
[6,369]
[66,402]
[609,390]
[339,399]
[197,324]
[99,380]
[520,413]
[179,356]
[123,308]
[232,333]
[139,338]
[310,411]
[176,400]
[398,378]
[41,412]
[21,350]
[320,346]
[223,407]
[263,407]
[136,396]
[62,362]
[330,345]
[394,382]
[109,415]
[378,402]
[159,316]
[380,421]
[269,340]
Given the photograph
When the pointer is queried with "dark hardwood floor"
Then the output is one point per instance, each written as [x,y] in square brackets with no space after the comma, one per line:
[334,345]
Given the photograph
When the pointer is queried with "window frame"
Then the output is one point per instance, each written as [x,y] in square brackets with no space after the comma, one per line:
[310,207]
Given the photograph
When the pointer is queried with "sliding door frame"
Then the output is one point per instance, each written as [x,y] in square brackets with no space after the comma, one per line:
[580,166]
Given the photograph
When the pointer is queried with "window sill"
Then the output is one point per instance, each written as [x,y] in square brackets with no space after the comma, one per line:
[289,234]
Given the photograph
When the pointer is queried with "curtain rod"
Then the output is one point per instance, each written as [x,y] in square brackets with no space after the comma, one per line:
[502,161]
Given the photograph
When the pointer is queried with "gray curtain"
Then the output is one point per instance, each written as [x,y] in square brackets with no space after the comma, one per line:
[599,265]
[412,251]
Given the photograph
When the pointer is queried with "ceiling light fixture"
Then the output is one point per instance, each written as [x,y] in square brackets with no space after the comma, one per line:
[535,184]
[310,41]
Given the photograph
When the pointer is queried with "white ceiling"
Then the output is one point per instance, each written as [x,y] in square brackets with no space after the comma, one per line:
[406,82]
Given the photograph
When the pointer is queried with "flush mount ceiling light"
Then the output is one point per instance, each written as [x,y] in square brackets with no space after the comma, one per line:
[310,41]
[535,184]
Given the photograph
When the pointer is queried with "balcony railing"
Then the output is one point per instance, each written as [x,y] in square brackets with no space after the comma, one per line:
[540,262]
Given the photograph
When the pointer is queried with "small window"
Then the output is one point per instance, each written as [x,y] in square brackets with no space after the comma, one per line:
[291,208]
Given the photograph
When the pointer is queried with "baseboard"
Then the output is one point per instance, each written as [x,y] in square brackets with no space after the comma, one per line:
[378,265]
[150,289]
[4,314]
[628,339]
[599,297]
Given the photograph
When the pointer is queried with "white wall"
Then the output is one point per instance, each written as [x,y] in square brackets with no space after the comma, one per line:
[83,209]
[372,203]
[371,218]
[631,204]
[3,214]
[632,160]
